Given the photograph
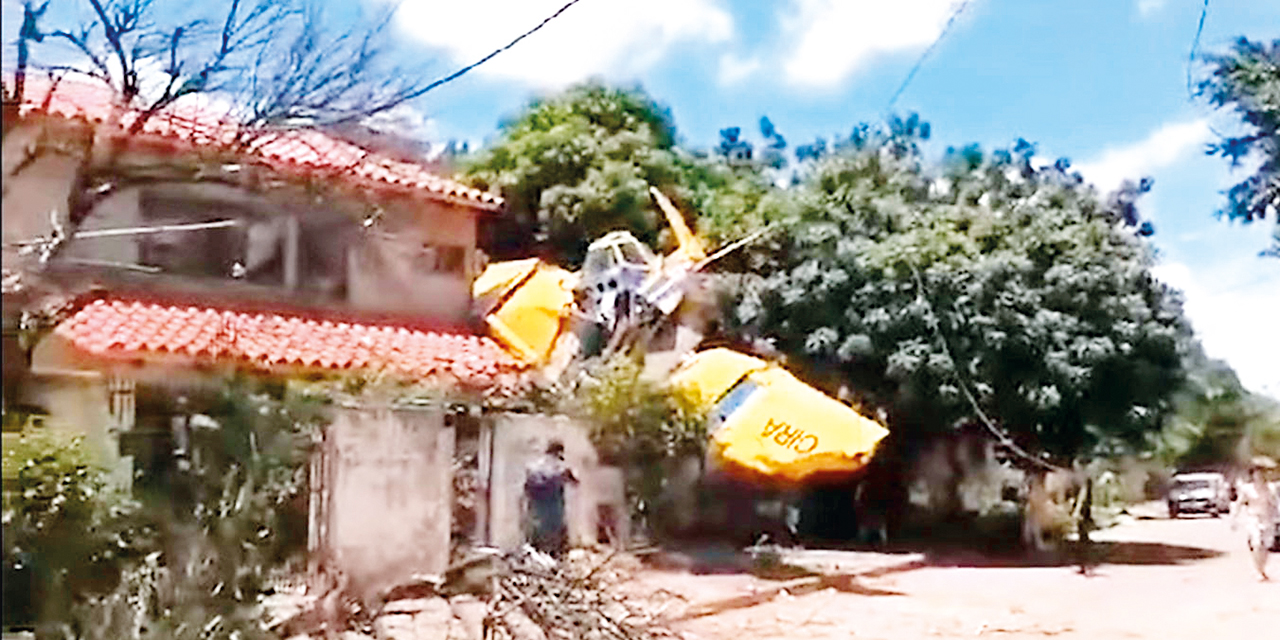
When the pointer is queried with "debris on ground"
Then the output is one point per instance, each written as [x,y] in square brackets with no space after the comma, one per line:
[573,599]
[488,595]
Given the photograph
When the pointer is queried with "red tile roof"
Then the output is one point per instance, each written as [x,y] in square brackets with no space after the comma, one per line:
[115,328]
[196,121]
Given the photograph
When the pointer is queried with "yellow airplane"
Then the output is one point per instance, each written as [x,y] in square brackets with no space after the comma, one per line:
[766,422]
[525,302]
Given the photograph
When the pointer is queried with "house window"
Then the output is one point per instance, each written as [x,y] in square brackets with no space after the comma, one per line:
[730,402]
[323,256]
[429,259]
[442,259]
[252,250]
[452,259]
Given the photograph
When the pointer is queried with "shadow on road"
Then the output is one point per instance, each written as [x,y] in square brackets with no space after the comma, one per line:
[847,583]
[1100,553]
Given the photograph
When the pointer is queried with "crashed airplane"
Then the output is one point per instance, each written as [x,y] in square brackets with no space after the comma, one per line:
[765,421]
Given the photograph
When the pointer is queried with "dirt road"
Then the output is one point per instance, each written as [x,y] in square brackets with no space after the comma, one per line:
[1165,579]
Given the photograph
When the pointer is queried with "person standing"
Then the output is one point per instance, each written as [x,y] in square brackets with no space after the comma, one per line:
[1085,525]
[1257,506]
[545,481]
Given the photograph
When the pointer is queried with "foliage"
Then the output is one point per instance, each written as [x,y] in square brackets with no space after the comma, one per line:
[638,425]
[635,419]
[218,529]
[731,199]
[579,164]
[1215,421]
[920,283]
[238,514]
[67,530]
[1246,80]
[1210,417]
[741,152]
[1263,433]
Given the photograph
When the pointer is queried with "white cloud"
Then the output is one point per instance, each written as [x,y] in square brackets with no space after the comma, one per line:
[1231,306]
[595,37]
[734,69]
[1148,7]
[1167,145]
[830,39]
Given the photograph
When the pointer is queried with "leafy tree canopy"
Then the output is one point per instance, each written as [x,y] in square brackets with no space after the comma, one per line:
[1246,80]
[579,164]
[919,283]
[1217,422]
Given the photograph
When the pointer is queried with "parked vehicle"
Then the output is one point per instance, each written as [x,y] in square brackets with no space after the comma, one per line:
[1205,492]
[1275,490]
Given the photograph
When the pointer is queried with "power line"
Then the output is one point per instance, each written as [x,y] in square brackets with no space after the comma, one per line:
[955,15]
[999,434]
[456,74]
[1195,45]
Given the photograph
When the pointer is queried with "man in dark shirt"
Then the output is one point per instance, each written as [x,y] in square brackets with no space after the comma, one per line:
[544,484]
[1085,524]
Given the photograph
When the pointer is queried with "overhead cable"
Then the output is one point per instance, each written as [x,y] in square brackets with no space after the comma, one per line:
[1195,46]
[955,15]
[456,74]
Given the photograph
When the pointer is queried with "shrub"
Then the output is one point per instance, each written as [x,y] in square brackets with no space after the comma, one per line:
[66,532]
[638,424]
[191,563]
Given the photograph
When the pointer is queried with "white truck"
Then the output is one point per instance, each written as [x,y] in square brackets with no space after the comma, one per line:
[1202,492]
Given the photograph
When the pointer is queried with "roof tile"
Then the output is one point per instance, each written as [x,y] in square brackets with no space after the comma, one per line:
[189,122]
[120,328]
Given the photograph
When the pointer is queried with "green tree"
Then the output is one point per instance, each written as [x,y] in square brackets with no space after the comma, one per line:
[639,425]
[1216,421]
[579,164]
[575,166]
[189,561]
[230,520]
[920,285]
[1210,417]
[1246,80]
[65,531]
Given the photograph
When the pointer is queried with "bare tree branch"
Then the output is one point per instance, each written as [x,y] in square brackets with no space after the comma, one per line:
[276,60]
[111,31]
[80,41]
[30,31]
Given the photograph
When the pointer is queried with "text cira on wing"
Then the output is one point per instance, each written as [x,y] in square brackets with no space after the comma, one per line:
[792,438]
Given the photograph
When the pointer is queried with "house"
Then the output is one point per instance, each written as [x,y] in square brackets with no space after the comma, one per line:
[292,251]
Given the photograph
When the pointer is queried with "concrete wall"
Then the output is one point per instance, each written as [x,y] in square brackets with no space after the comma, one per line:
[398,267]
[74,388]
[78,403]
[41,187]
[517,440]
[382,276]
[116,212]
[382,511]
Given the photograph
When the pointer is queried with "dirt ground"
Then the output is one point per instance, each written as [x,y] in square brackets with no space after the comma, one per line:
[1169,579]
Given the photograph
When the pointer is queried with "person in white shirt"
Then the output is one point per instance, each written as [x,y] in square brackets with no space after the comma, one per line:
[1256,505]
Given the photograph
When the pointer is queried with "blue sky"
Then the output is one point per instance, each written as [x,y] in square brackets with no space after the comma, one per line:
[1102,82]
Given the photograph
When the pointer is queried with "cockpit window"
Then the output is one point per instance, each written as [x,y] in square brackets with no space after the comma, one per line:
[730,402]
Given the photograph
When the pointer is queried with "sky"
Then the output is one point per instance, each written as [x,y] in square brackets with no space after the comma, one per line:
[1101,82]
